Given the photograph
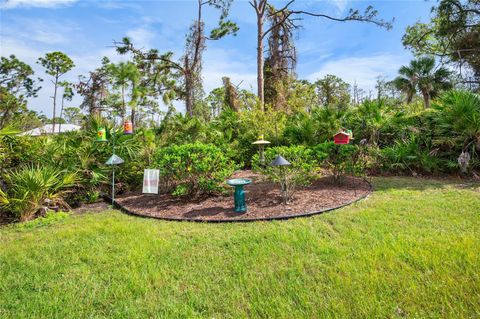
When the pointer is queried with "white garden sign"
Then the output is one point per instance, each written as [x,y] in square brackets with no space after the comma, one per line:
[150,181]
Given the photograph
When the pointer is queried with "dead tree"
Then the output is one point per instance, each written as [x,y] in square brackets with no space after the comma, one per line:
[189,69]
[281,60]
[260,7]
[231,94]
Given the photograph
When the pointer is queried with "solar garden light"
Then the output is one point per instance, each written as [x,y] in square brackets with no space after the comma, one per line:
[261,148]
[281,162]
[113,161]
[239,195]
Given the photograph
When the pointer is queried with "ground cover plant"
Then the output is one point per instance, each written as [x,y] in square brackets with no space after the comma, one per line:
[409,250]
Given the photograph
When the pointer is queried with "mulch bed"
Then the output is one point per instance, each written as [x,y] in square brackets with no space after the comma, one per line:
[263,199]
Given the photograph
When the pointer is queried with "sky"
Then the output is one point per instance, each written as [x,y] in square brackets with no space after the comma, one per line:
[85,30]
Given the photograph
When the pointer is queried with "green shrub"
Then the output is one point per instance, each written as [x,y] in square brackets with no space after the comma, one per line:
[340,159]
[302,171]
[300,157]
[29,187]
[457,126]
[193,169]
[409,156]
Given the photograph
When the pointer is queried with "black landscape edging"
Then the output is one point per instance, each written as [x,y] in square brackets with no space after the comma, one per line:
[125,210]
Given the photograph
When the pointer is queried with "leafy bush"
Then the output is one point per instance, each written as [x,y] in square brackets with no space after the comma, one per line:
[340,159]
[302,170]
[29,187]
[193,169]
[409,156]
[457,125]
[301,158]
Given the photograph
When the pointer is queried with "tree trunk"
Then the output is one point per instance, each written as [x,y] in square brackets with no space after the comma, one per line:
[124,108]
[260,62]
[60,117]
[188,93]
[190,67]
[132,117]
[426,99]
[54,104]
[409,98]
[134,105]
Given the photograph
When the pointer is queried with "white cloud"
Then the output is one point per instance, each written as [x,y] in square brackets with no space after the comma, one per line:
[363,70]
[340,4]
[10,4]
[118,5]
[141,37]
[29,53]
[221,62]
[45,32]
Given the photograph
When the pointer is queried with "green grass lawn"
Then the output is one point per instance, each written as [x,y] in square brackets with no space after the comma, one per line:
[412,249]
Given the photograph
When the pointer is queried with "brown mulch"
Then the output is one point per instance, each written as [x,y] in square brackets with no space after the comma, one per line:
[263,199]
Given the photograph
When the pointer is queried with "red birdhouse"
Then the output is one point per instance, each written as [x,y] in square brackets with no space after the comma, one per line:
[341,138]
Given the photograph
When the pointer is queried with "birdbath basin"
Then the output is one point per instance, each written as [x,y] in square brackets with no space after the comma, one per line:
[239,195]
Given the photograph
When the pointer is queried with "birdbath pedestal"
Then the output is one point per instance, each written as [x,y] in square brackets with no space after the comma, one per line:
[239,195]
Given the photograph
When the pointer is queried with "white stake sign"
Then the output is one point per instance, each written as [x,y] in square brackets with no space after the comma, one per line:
[150,181]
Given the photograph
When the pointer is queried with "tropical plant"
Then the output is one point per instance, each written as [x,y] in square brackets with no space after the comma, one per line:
[410,155]
[368,119]
[422,76]
[457,120]
[31,188]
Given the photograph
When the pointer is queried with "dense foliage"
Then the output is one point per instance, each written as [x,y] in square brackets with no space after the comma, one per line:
[192,169]
[195,157]
[34,187]
[421,122]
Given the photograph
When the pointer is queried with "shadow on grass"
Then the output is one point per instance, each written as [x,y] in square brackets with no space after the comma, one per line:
[421,183]
[211,211]
[6,220]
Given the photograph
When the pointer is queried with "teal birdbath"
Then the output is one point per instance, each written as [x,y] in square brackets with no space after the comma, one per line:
[239,195]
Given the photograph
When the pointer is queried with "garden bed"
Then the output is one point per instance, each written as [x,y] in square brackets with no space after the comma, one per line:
[263,199]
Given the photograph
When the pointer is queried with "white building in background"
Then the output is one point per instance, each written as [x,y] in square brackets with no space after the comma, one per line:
[47,129]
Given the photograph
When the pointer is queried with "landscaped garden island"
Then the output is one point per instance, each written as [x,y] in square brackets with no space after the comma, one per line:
[239,159]
[263,200]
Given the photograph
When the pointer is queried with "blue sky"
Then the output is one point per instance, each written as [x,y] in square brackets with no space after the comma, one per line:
[85,31]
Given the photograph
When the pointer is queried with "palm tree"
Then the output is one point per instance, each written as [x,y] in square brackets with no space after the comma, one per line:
[126,75]
[458,119]
[421,76]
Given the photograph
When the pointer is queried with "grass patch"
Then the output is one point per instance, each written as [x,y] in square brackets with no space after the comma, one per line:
[409,250]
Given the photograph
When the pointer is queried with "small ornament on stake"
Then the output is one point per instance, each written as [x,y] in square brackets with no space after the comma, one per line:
[101,134]
[128,127]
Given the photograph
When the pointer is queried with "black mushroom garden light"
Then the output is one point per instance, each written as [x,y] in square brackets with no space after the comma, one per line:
[281,162]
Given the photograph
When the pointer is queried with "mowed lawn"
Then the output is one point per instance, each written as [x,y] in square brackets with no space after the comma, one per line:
[412,249]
